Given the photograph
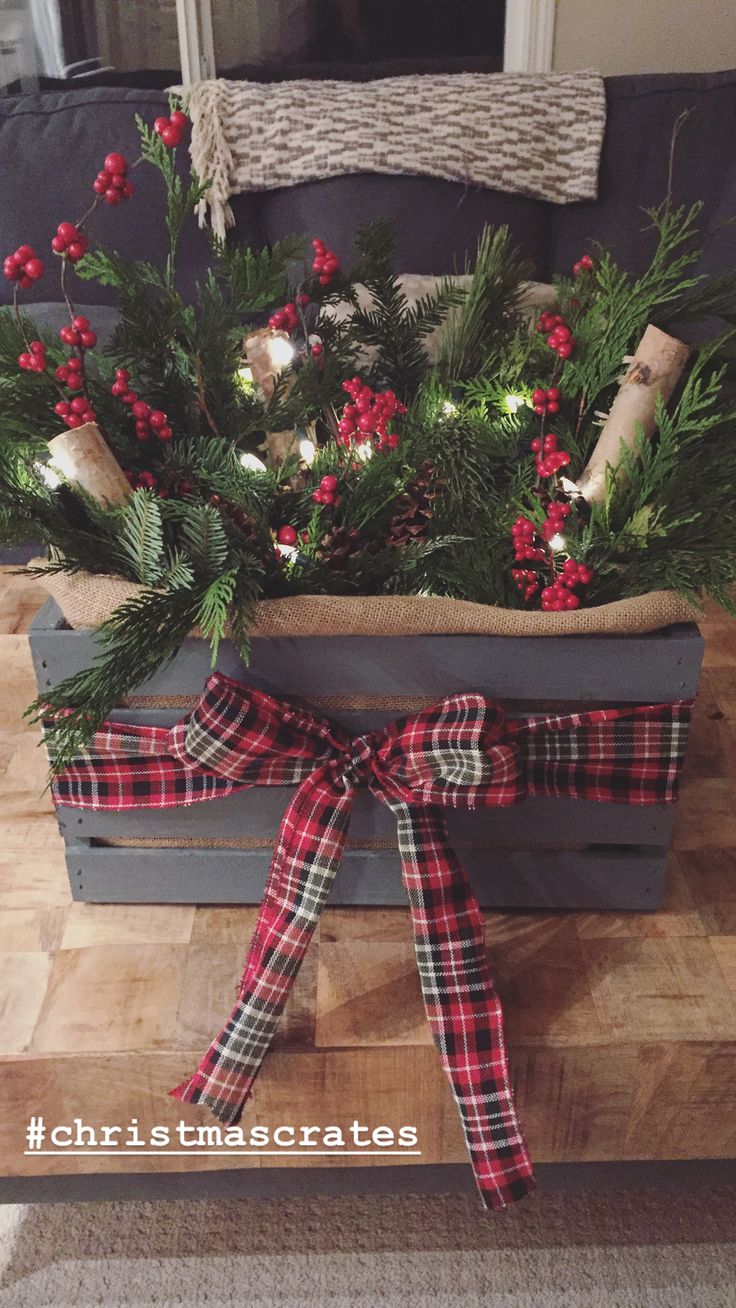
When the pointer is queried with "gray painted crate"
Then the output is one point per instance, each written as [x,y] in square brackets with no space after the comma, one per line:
[606,856]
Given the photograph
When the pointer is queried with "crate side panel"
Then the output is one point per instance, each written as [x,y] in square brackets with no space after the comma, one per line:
[656,668]
[595,880]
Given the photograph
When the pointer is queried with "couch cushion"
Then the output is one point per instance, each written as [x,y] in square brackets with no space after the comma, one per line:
[435,222]
[642,112]
[52,146]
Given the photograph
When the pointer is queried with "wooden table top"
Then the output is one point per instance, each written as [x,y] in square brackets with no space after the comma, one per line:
[621,1027]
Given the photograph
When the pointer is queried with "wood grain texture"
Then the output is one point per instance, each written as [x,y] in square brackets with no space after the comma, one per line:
[621,1026]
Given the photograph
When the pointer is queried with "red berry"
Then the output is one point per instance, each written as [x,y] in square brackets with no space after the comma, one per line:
[76,251]
[37,347]
[164,433]
[119,389]
[74,420]
[58,245]
[286,536]
[122,374]
[329,483]
[171,137]
[157,418]
[112,196]
[69,336]
[140,409]
[62,408]
[565,349]
[79,404]
[34,269]
[115,162]
[539,396]
[129,397]
[67,232]
[159,124]
[128,190]
[25,360]
[178,119]
[88,340]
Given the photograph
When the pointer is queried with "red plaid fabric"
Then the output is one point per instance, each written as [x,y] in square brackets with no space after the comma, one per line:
[460,753]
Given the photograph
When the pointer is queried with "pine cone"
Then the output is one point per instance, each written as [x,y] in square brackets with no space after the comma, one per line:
[339,545]
[414,509]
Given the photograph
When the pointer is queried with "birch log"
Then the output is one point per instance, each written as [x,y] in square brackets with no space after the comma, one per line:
[85,459]
[267,353]
[653,371]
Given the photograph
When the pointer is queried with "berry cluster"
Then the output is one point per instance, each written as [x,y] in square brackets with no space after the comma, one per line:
[23,267]
[523,537]
[368,415]
[326,262]
[34,360]
[70,373]
[70,241]
[286,319]
[326,492]
[582,266]
[75,412]
[557,511]
[111,182]
[546,401]
[549,459]
[560,595]
[171,129]
[148,422]
[526,581]
[78,333]
[146,481]
[560,338]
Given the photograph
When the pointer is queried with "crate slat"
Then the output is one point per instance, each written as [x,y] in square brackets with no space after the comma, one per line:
[258,813]
[632,669]
[598,879]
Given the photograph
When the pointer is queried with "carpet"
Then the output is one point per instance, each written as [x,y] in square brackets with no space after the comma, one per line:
[652,1249]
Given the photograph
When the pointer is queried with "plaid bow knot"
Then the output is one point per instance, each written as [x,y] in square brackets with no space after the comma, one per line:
[462,752]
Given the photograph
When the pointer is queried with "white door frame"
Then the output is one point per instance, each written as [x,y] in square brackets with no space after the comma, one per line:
[196,46]
[528,38]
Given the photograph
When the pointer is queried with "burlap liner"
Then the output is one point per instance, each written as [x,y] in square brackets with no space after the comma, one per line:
[372,703]
[87,599]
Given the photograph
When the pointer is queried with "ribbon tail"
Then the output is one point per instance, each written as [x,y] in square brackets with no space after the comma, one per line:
[462,1006]
[307,855]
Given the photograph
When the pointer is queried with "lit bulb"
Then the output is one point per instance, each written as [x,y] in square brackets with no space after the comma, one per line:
[307,451]
[281,351]
[557,542]
[364,451]
[570,487]
[246,375]
[514,402]
[448,408]
[47,474]
[252,463]
[287,551]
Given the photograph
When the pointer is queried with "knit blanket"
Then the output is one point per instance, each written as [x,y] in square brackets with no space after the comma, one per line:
[538,135]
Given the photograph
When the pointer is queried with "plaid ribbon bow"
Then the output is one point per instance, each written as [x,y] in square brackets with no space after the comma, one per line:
[462,753]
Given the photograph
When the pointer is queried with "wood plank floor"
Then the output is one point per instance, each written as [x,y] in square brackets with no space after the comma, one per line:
[621,1028]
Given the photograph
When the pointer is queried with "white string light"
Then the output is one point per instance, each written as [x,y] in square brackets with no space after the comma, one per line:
[514,402]
[307,451]
[557,542]
[281,351]
[252,463]
[47,474]
[364,451]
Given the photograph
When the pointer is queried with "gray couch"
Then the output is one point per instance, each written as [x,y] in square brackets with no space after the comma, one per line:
[53,143]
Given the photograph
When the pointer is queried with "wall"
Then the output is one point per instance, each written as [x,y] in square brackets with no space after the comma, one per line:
[645,36]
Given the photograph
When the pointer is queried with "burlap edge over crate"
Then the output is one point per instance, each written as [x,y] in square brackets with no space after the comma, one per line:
[87,599]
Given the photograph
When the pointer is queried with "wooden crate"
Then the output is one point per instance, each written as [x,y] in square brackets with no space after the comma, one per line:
[544,853]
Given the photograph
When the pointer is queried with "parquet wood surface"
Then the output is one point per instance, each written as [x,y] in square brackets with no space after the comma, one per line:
[621,1027]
